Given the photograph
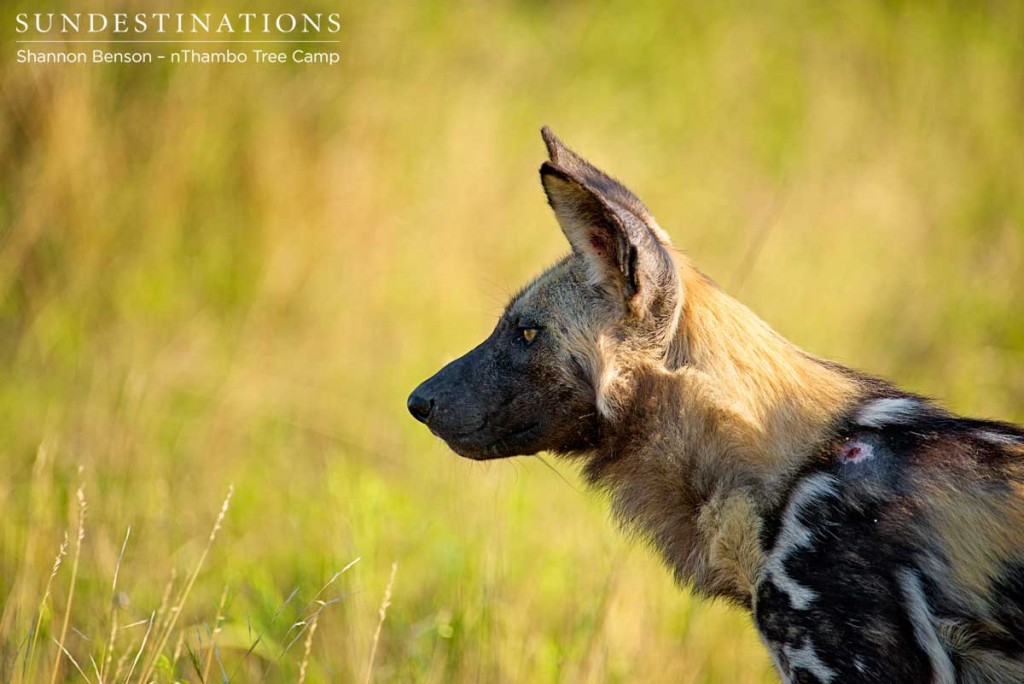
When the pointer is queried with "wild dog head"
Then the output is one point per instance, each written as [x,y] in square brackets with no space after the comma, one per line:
[552,374]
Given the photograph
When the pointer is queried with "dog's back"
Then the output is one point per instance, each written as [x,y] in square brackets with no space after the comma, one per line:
[898,555]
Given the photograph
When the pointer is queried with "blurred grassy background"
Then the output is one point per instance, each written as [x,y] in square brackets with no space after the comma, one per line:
[216,275]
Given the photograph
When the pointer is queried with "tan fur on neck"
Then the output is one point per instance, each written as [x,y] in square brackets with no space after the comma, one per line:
[700,453]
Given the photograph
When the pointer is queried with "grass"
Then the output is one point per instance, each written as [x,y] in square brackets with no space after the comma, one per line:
[216,276]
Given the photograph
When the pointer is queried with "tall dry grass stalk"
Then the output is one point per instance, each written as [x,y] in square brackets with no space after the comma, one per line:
[30,662]
[175,612]
[383,612]
[82,506]
[107,655]
[214,632]
[62,649]
[163,614]
[308,647]
[179,646]
[142,649]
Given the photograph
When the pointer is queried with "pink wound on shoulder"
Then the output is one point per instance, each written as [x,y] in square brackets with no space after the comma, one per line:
[855,452]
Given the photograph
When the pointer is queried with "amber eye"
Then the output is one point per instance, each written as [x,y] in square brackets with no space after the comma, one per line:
[529,334]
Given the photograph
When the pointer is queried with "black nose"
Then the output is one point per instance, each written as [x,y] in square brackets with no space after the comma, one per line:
[420,406]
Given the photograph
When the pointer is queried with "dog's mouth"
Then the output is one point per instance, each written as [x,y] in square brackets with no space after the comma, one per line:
[482,445]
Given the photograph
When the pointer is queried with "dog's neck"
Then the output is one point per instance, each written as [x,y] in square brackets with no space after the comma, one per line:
[701,453]
[786,399]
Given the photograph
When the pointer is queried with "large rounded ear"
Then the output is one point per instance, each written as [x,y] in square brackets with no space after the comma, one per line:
[612,231]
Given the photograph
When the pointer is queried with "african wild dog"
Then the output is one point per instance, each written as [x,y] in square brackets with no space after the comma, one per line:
[874,535]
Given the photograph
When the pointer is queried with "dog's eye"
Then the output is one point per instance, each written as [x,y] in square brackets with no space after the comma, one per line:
[529,334]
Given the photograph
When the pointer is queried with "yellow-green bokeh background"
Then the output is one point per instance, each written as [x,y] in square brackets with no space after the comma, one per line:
[235,274]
